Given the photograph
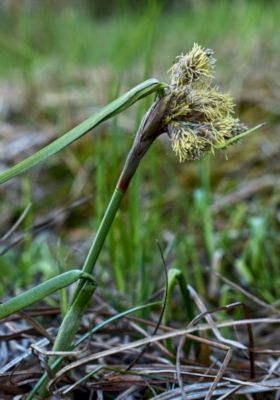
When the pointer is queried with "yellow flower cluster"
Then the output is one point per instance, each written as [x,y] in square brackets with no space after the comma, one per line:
[199,117]
[193,66]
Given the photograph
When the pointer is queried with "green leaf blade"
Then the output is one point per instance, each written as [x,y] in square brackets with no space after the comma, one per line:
[41,291]
[120,104]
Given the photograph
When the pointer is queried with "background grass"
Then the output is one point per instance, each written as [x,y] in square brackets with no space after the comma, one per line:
[60,63]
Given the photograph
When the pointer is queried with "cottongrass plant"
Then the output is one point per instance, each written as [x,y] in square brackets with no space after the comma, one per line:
[198,119]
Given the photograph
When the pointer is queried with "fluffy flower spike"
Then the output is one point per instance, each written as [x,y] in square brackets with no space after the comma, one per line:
[200,117]
[196,65]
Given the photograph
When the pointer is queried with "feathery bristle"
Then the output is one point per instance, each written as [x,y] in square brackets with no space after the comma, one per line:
[199,117]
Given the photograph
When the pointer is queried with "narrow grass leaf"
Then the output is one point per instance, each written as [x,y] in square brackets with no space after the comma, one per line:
[39,292]
[120,104]
[240,136]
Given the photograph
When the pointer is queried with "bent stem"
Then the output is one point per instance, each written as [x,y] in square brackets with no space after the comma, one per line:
[150,128]
[176,276]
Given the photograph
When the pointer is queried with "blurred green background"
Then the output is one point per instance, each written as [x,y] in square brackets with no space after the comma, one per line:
[60,62]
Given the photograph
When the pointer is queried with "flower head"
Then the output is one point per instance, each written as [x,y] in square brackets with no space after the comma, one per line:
[196,65]
[199,117]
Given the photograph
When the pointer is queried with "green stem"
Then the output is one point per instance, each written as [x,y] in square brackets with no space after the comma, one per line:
[71,321]
[84,290]
[101,235]
[70,325]
[149,130]
[103,230]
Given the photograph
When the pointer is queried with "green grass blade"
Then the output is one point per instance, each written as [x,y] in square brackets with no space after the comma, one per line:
[42,290]
[176,276]
[238,137]
[120,104]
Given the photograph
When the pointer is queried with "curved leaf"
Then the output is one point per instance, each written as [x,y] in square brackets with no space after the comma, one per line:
[42,290]
[120,104]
